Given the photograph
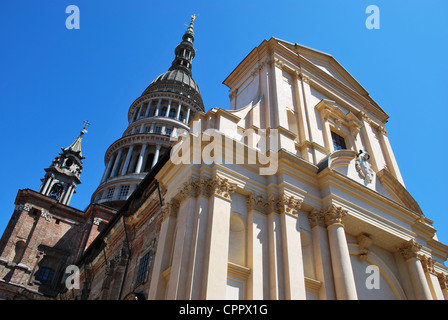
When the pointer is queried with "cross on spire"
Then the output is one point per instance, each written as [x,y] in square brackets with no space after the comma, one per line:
[86,124]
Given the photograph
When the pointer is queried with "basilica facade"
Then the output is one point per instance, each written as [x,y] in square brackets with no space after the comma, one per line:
[292,193]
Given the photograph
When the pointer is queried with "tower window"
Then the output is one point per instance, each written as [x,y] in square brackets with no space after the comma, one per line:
[168,131]
[172,113]
[56,191]
[338,141]
[158,129]
[163,114]
[68,162]
[122,194]
[45,275]
[110,193]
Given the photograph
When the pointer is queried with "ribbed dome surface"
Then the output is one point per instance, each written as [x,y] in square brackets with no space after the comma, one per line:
[177,76]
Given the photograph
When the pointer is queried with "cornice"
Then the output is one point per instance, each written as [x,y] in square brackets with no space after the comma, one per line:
[157,95]
[133,139]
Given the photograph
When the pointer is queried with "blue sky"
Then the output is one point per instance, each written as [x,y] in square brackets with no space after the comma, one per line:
[52,78]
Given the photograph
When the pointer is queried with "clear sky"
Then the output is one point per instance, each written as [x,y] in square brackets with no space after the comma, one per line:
[52,78]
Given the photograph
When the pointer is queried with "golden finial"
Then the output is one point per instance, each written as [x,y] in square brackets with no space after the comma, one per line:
[193,17]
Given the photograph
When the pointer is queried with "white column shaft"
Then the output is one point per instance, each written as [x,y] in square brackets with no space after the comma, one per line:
[156,155]
[116,163]
[340,260]
[127,160]
[138,168]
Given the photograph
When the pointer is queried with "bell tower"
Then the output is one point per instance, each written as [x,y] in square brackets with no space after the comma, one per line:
[62,176]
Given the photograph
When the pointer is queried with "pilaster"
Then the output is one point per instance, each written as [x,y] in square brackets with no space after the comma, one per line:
[322,258]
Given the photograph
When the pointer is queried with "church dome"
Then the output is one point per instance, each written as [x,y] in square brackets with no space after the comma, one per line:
[177,81]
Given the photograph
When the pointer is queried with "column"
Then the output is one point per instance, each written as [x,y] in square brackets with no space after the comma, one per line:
[140,111]
[322,258]
[47,183]
[72,190]
[324,115]
[214,280]
[389,155]
[134,115]
[179,108]
[187,118]
[431,277]
[158,108]
[156,155]
[127,160]
[65,194]
[294,278]
[162,259]
[340,257]
[148,108]
[309,119]
[368,136]
[179,286]
[138,168]
[303,126]
[169,108]
[409,250]
[257,250]
[277,118]
[196,267]
[108,168]
[443,280]
[116,163]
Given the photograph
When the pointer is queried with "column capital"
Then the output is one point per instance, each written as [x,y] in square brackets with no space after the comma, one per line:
[170,209]
[288,204]
[189,189]
[207,187]
[222,187]
[257,202]
[316,218]
[334,215]
[443,280]
[427,263]
[409,249]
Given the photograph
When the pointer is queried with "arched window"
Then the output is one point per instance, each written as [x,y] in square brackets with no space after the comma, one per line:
[172,113]
[163,113]
[181,116]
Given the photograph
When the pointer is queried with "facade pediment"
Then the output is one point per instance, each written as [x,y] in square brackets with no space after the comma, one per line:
[327,63]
